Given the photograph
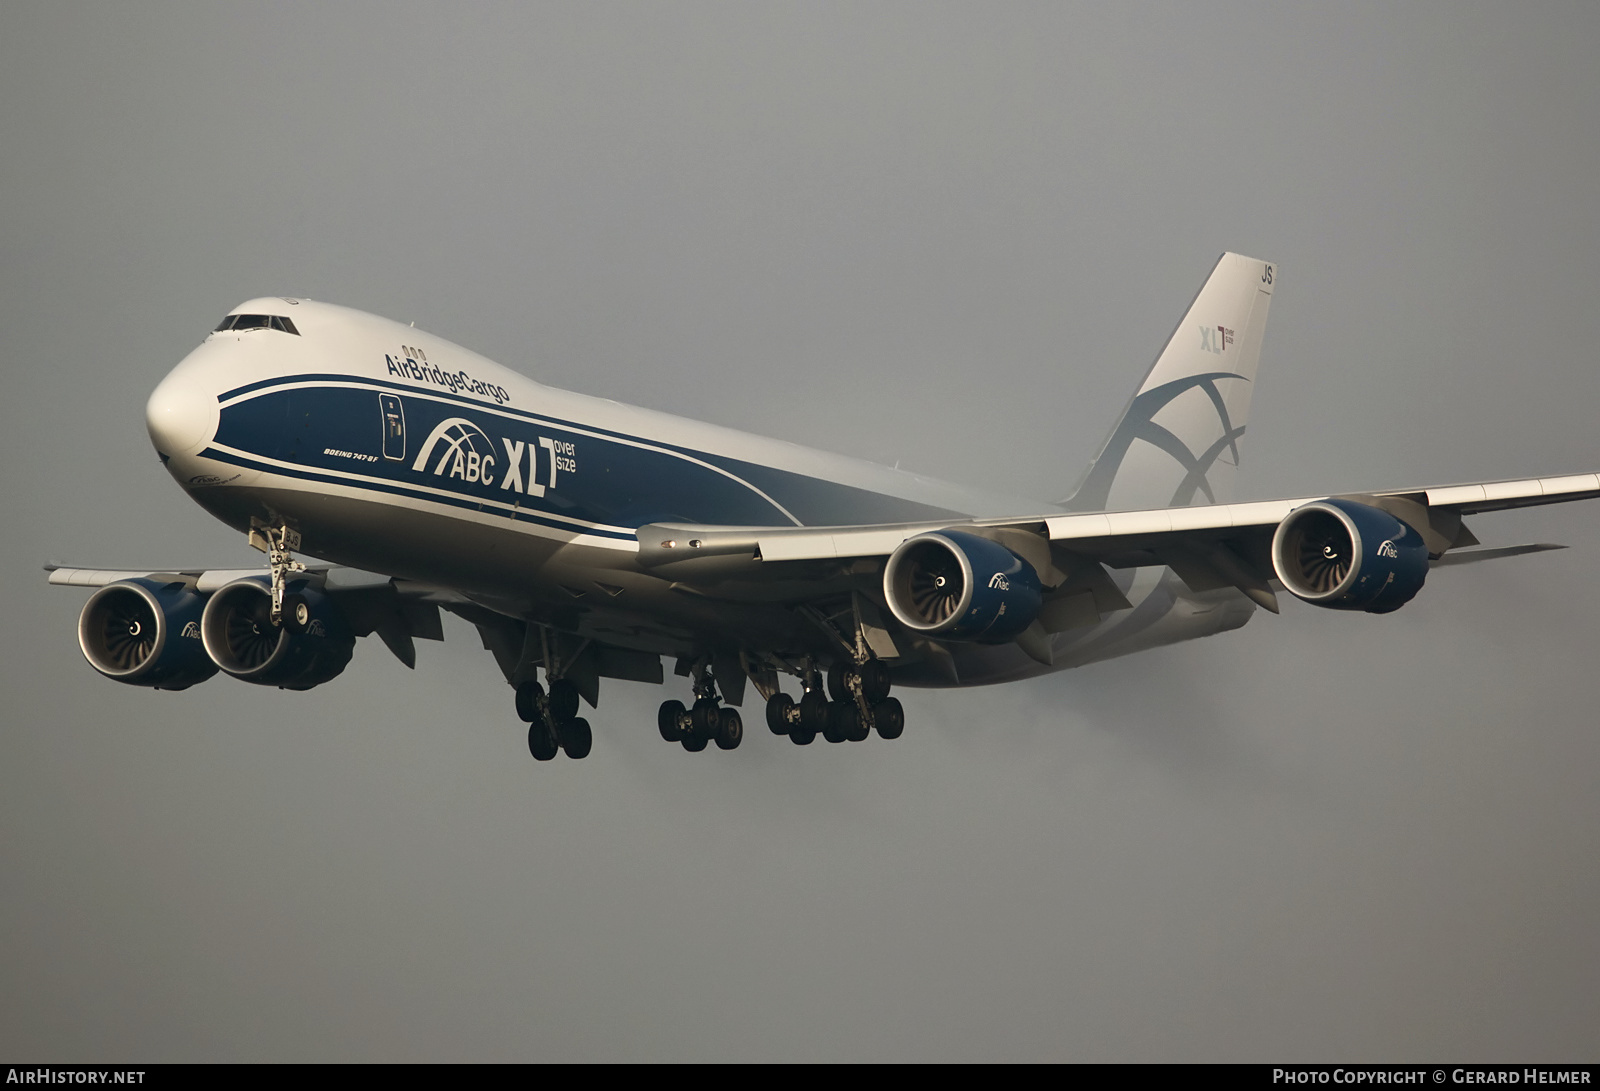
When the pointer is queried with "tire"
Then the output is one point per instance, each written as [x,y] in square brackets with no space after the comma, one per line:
[667,720]
[778,713]
[296,613]
[802,736]
[889,717]
[841,721]
[540,743]
[576,738]
[528,695]
[704,718]
[730,729]
[874,681]
[813,713]
[693,743]
[563,699]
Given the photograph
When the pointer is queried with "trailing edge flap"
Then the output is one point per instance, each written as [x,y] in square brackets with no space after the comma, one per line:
[1035,642]
[516,647]
[502,636]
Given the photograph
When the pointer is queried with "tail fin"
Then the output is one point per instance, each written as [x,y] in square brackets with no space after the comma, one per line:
[1178,441]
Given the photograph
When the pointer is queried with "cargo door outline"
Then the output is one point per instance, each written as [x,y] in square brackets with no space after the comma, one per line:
[393,418]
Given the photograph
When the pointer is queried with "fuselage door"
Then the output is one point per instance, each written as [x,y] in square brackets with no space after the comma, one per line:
[394,427]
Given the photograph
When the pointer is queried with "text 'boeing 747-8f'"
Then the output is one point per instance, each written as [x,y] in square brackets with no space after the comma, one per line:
[589,540]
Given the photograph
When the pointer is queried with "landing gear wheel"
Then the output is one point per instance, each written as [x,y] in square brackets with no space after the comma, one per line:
[889,717]
[296,613]
[813,713]
[693,743]
[802,736]
[704,720]
[541,744]
[668,719]
[563,699]
[874,680]
[730,729]
[528,695]
[841,721]
[778,713]
[576,738]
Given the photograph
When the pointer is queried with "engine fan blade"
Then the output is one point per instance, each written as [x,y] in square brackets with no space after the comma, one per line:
[251,635]
[130,633]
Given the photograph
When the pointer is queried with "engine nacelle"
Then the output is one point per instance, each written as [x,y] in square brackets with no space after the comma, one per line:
[1349,556]
[958,586]
[146,633]
[241,639]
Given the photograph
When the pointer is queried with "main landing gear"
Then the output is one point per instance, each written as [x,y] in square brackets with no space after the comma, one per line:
[553,720]
[705,722]
[861,703]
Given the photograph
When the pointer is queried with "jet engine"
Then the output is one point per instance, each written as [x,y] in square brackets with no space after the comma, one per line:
[311,647]
[1349,556]
[146,632]
[958,586]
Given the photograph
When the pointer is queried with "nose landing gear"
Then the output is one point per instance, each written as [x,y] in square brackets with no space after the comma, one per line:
[289,611]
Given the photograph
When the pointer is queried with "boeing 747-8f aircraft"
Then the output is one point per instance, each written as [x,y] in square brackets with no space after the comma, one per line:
[588,540]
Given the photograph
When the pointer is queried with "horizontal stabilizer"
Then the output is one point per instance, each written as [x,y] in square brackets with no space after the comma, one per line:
[1467,556]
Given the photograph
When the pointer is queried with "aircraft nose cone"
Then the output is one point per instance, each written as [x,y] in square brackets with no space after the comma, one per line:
[180,415]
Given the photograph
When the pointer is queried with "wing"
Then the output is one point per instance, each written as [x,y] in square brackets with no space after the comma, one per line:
[401,611]
[1210,547]
[835,576]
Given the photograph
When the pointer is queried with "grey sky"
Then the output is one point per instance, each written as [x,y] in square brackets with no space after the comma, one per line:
[951,236]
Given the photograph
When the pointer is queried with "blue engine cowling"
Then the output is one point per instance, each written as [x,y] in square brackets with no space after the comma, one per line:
[146,632]
[958,586]
[240,637]
[1349,556]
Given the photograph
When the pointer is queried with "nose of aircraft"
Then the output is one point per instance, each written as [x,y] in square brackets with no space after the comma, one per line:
[181,413]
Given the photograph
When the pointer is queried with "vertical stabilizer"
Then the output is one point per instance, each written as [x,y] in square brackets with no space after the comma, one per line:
[1178,441]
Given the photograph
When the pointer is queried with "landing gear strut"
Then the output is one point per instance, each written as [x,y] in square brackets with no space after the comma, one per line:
[705,722]
[289,611]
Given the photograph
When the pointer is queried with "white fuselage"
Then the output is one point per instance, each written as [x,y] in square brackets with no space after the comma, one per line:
[392,450]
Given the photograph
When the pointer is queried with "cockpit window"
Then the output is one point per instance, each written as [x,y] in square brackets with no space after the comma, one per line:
[257,322]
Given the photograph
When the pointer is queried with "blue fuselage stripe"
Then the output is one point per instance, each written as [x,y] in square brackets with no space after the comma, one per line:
[451,500]
[351,430]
